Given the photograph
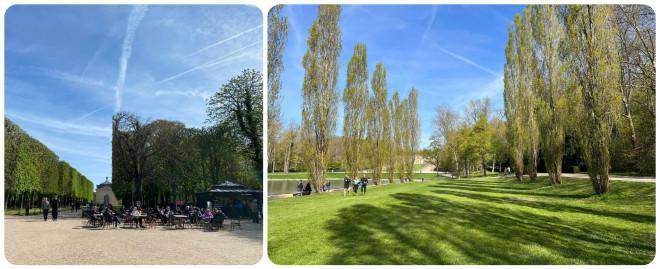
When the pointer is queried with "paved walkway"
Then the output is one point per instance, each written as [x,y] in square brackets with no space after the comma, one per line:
[30,240]
[616,178]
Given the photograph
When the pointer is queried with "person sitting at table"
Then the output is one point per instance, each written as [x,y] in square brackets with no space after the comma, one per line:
[136,215]
[218,217]
[192,214]
[115,217]
[208,215]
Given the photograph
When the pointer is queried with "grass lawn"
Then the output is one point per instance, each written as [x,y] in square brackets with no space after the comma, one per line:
[467,221]
[339,175]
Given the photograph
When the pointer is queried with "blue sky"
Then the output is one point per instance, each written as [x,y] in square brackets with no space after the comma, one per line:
[68,69]
[450,53]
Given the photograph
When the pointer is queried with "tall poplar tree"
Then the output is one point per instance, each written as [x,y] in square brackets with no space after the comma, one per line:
[378,135]
[277,36]
[595,64]
[512,110]
[355,98]
[412,128]
[550,92]
[319,108]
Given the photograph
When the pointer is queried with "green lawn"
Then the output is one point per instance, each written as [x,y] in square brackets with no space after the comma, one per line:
[468,221]
[340,175]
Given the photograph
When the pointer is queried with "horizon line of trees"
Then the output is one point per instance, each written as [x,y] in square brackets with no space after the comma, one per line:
[161,161]
[33,171]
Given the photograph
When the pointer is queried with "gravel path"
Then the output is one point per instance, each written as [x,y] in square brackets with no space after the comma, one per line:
[30,240]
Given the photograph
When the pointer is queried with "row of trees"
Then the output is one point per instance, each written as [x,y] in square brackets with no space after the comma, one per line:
[32,171]
[472,142]
[159,162]
[586,73]
[380,135]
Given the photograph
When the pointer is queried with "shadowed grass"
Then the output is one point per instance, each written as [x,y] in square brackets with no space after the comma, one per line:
[472,221]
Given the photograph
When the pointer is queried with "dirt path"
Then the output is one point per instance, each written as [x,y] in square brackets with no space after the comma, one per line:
[30,240]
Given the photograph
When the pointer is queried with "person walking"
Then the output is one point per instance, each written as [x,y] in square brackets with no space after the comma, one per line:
[356,184]
[44,206]
[347,183]
[55,205]
[363,185]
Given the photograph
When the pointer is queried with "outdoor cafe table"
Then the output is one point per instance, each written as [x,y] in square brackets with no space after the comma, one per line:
[179,219]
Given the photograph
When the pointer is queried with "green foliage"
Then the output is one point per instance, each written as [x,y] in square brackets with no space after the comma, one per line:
[239,103]
[277,36]
[596,68]
[356,104]
[30,167]
[378,115]
[319,91]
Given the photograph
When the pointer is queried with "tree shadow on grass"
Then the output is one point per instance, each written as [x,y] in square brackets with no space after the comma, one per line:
[426,229]
[555,207]
[508,190]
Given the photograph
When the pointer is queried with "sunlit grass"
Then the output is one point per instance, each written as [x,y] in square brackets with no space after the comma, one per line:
[468,221]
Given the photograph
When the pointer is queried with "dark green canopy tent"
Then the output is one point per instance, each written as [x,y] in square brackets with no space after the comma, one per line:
[232,198]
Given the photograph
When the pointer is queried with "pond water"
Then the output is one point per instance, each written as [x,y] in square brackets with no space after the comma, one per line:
[276,187]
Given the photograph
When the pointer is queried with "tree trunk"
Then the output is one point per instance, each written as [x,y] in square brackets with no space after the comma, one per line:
[493,168]
[553,165]
[22,199]
[600,181]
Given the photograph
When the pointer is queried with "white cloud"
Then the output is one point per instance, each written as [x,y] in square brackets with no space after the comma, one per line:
[64,76]
[63,126]
[134,19]
[191,93]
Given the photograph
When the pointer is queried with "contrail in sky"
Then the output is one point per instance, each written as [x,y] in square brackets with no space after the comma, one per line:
[225,40]
[134,19]
[470,62]
[227,57]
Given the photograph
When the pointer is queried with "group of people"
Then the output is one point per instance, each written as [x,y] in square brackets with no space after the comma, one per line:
[357,183]
[47,205]
[163,213]
[361,184]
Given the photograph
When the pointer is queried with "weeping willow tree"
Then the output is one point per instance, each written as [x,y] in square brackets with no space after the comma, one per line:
[320,97]
[356,97]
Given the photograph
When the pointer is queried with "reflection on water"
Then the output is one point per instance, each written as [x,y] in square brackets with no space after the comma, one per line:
[276,187]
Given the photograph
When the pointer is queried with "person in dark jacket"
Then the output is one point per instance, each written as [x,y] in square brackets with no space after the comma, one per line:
[347,184]
[363,185]
[44,206]
[308,189]
[55,205]
[300,186]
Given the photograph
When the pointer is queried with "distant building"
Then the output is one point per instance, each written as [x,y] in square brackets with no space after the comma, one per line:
[104,194]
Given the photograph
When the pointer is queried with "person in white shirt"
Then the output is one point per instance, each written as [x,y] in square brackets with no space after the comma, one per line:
[136,215]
